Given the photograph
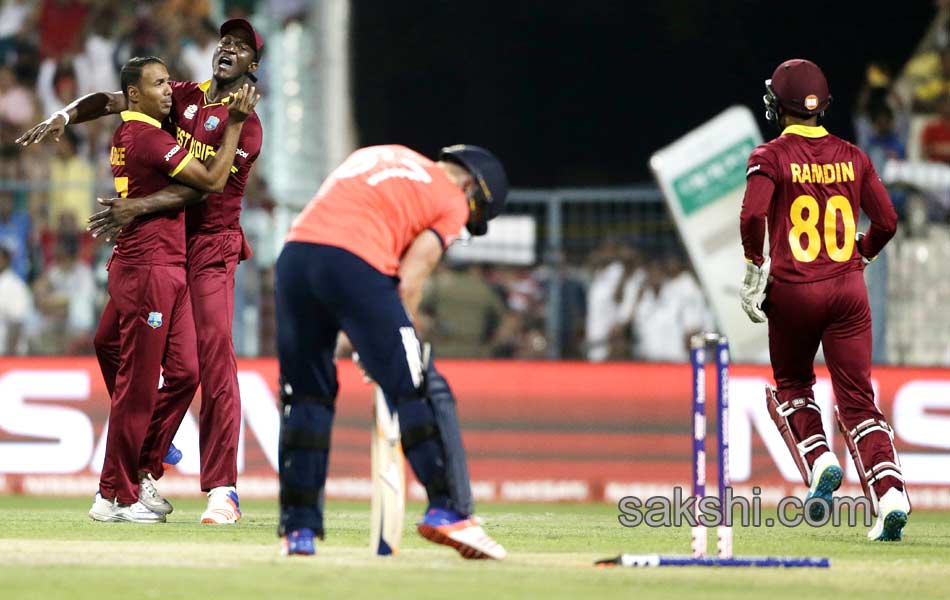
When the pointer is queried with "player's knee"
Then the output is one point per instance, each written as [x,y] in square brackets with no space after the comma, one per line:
[190,376]
[417,422]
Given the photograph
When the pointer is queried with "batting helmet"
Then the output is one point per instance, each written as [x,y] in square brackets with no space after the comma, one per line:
[491,183]
[797,86]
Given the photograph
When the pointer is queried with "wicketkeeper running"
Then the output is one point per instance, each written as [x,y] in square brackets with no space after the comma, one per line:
[810,187]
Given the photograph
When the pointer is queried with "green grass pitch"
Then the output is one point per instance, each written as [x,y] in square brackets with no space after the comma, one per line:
[50,549]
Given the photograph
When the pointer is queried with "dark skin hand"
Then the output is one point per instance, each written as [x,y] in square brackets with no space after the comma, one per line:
[119,212]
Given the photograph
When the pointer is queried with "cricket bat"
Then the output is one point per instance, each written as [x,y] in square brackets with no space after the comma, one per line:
[388,503]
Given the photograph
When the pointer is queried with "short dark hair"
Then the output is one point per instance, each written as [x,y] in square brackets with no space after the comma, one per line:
[131,73]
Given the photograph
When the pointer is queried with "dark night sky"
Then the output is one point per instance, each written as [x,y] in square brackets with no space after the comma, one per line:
[581,93]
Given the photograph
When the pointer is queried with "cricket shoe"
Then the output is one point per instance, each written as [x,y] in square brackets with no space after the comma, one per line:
[109,511]
[825,479]
[172,457]
[149,496]
[223,506]
[299,542]
[892,511]
[465,534]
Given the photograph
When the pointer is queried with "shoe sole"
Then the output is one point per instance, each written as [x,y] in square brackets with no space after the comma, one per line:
[828,483]
[159,509]
[893,526]
[100,518]
[226,521]
[434,535]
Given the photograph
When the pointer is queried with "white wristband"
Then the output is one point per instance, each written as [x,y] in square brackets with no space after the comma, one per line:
[64,114]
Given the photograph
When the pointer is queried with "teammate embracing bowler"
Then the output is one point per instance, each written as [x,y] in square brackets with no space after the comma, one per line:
[355,260]
[215,242]
[810,187]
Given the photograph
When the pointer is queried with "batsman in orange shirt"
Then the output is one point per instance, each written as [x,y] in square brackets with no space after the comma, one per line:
[355,260]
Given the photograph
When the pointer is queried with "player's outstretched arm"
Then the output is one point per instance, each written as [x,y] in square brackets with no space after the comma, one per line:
[119,212]
[415,267]
[212,176]
[87,108]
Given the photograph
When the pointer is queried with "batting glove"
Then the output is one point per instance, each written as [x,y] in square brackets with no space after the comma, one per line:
[753,290]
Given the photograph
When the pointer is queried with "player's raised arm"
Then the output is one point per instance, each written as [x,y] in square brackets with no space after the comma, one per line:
[417,263]
[88,108]
[212,176]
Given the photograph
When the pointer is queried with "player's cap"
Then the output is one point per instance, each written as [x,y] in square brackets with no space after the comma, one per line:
[800,87]
[489,176]
[246,26]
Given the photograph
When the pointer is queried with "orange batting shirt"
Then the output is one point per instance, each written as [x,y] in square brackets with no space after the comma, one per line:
[378,201]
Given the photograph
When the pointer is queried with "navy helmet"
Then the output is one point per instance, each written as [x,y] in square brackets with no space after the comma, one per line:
[491,183]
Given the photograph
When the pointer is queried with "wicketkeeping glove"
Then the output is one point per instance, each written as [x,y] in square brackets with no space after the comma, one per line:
[753,290]
[864,259]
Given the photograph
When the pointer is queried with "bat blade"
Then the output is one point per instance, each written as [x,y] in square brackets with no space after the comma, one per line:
[388,503]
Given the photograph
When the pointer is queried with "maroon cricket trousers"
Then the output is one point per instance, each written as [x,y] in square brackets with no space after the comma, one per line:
[835,313]
[146,330]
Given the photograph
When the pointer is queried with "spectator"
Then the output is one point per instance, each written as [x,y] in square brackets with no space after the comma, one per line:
[17,106]
[56,84]
[65,228]
[60,24]
[15,228]
[197,54]
[935,139]
[65,295]
[670,310]
[930,72]
[15,307]
[72,180]
[465,311]
[611,300]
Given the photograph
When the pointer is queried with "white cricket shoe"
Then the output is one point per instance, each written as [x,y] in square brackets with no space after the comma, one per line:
[149,496]
[109,511]
[892,511]
[465,534]
[223,506]
[826,476]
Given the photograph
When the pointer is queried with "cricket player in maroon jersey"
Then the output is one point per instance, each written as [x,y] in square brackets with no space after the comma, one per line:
[809,187]
[215,240]
[147,327]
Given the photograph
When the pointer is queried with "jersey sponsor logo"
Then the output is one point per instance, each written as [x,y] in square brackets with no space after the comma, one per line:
[241,152]
[211,123]
[172,152]
[190,111]
[811,102]
[752,170]
[838,172]
[154,320]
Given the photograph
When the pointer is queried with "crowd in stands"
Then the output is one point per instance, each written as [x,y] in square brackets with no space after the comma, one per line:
[52,272]
[615,302]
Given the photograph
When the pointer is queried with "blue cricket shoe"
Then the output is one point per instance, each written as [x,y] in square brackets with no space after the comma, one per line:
[298,542]
[172,457]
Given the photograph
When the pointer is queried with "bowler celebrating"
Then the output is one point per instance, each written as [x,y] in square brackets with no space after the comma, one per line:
[215,241]
[147,328]
[355,260]
[810,187]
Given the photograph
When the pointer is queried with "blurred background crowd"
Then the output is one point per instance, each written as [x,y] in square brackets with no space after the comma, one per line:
[623,285]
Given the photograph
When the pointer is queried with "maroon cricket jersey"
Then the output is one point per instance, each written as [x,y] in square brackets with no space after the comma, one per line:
[144,157]
[821,184]
[199,128]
